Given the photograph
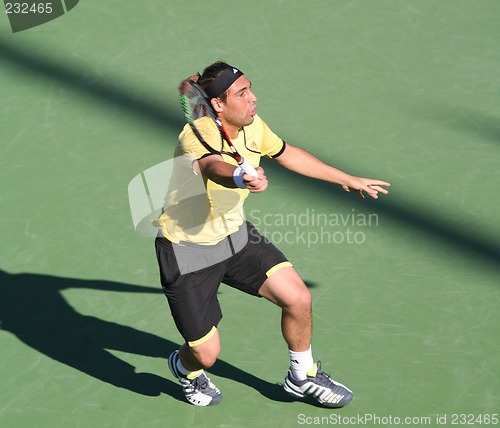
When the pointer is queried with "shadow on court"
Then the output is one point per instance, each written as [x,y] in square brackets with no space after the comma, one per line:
[79,80]
[33,309]
[461,119]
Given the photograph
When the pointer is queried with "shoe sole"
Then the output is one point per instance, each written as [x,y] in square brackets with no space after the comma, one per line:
[289,388]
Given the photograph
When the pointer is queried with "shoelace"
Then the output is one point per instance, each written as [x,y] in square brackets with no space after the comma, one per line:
[200,382]
[325,377]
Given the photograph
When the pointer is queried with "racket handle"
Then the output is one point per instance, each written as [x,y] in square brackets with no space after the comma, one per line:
[247,168]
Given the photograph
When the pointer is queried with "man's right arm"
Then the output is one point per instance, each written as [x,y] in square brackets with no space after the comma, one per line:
[220,172]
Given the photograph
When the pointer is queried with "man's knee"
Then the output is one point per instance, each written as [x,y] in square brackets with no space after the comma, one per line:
[206,357]
[206,353]
[298,298]
[286,289]
[301,297]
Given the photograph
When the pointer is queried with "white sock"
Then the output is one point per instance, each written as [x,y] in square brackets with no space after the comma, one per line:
[301,363]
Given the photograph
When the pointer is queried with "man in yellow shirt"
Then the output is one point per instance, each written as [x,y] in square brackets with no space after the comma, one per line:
[204,240]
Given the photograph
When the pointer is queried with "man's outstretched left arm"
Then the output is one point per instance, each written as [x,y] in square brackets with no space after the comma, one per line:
[302,162]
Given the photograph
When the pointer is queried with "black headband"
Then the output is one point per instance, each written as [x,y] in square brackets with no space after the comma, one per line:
[222,82]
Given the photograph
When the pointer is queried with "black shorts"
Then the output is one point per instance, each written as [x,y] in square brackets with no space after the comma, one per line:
[191,275]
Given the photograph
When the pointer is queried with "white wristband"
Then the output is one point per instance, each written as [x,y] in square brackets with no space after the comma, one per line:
[248,168]
[238,178]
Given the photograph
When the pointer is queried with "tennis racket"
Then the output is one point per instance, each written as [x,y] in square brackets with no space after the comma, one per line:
[196,105]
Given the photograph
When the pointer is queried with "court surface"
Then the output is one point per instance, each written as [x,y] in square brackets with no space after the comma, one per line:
[406,289]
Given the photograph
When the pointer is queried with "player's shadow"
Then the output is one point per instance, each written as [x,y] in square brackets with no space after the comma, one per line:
[33,308]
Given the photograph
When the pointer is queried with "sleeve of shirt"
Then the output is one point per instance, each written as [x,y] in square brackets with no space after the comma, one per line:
[272,145]
[189,143]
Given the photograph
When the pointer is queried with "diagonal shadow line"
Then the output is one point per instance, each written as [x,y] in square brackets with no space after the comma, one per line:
[458,118]
[439,228]
[158,114]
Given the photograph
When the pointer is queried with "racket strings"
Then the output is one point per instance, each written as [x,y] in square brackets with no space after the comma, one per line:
[195,105]
[198,103]
[198,107]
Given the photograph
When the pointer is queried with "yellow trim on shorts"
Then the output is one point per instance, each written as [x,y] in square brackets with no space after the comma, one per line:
[277,267]
[204,338]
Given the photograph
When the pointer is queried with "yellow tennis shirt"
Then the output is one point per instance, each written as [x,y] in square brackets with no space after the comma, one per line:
[197,209]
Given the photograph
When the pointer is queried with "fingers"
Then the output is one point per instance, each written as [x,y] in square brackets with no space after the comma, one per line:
[256,184]
[251,179]
[373,188]
[373,193]
[378,183]
[360,193]
[379,189]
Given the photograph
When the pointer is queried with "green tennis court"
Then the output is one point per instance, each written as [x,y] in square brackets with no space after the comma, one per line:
[406,289]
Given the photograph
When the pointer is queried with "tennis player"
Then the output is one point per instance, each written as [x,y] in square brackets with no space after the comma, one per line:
[204,241]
